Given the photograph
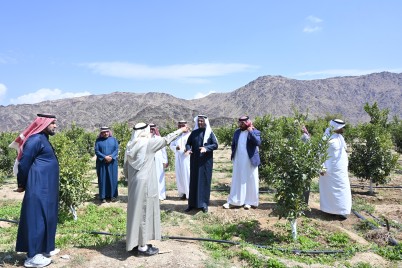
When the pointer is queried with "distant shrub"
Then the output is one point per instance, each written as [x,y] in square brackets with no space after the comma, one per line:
[7,154]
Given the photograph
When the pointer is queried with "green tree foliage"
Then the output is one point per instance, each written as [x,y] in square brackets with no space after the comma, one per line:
[122,132]
[270,132]
[396,132]
[74,186]
[7,154]
[85,140]
[225,134]
[372,158]
[289,163]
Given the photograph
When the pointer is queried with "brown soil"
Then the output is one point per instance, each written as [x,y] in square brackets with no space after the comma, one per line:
[187,253]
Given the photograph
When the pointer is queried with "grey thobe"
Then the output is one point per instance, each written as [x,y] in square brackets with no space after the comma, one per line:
[143,212]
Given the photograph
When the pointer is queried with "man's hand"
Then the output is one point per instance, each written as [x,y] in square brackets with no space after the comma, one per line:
[188,152]
[108,159]
[185,129]
[203,150]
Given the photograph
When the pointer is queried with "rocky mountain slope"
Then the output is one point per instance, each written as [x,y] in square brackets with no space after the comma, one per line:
[274,95]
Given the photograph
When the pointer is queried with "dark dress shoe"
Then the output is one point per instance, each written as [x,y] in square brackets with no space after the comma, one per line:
[149,252]
[205,209]
[342,217]
[135,249]
[183,197]
[188,209]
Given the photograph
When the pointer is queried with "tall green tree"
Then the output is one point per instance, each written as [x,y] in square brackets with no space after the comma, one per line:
[372,158]
[74,165]
[290,165]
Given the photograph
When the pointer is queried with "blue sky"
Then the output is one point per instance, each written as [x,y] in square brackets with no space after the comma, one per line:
[56,49]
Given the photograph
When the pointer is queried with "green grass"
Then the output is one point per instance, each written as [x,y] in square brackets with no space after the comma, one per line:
[271,244]
[9,210]
[171,218]
[392,253]
[362,265]
[361,204]
[92,218]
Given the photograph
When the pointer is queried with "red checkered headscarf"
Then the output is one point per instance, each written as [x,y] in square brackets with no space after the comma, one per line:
[35,127]
[155,129]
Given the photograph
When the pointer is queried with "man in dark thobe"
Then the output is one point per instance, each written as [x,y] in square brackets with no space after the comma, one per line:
[106,150]
[37,176]
[200,145]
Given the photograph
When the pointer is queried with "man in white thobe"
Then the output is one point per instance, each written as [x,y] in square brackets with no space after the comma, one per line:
[182,162]
[161,162]
[245,182]
[143,211]
[334,185]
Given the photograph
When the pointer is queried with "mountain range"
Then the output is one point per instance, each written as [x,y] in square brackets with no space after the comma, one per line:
[275,95]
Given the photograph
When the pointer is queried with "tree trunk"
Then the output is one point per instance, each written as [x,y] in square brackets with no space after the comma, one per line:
[371,186]
[74,212]
[293,224]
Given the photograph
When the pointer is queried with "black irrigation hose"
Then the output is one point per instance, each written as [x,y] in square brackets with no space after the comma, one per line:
[377,187]
[390,239]
[298,251]
[385,223]
[11,221]
[295,251]
[228,190]
[102,233]
[379,221]
[200,239]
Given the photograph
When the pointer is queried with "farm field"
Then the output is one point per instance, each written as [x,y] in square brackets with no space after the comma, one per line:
[259,238]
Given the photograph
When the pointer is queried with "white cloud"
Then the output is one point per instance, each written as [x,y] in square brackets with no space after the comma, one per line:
[313,24]
[3,90]
[5,59]
[44,94]
[309,29]
[313,19]
[191,73]
[345,72]
[200,95]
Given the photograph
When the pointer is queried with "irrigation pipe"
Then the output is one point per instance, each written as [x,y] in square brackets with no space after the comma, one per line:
[385,223]
[390,239]
[377,187]
[11,221]
[102,233]
[228,190]
[379,221]
[295,251]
